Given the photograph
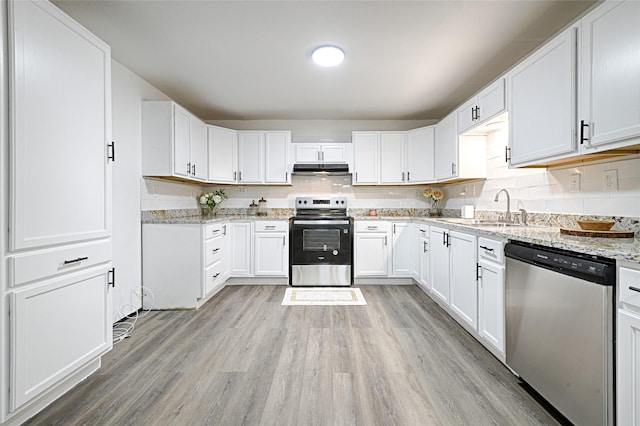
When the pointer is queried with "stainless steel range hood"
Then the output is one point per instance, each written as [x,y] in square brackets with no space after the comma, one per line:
[321,169]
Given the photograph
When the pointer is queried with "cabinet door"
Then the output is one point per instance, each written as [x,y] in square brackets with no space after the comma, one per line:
[463,284]
[439,262]
[446,148]
[250,157]
[334,153]
[56,327]
[420,147]
[222,154]
[610,87]
[542,101]
[403,250]
[277,147]
[467,115]
[392,157]
[365,158]
[181,140]
[423,253]
[628,368]
[371,254]
[240,251]
[271,250]
[60,125]
[491,101]
[491,305]
[198,149]
[307,153]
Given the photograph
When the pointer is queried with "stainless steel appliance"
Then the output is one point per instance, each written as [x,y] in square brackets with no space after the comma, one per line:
[321,243]
[321,169]
[560,329]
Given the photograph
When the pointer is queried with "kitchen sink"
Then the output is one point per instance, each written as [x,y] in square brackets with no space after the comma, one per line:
[482,222]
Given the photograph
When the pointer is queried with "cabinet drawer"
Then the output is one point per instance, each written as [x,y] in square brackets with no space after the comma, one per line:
[372,226]
[28,267]
[271,226]
[213,276]
[212,250]
[215,230]
[629,281]
[491,250]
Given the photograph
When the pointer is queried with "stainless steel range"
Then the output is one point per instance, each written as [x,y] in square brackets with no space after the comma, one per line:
[321,243]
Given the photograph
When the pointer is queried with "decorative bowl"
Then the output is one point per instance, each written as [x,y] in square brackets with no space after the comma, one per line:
[595,225]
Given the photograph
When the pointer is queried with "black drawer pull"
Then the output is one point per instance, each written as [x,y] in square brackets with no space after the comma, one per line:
[215,250]
[216,275]
[486,248]
[634,288]
[80,259]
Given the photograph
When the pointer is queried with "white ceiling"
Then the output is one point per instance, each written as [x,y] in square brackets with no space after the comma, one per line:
[227,60]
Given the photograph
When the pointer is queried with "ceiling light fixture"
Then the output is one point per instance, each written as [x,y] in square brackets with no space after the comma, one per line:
[328,56]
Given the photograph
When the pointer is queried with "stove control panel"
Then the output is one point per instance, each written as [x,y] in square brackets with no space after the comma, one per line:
[321,203]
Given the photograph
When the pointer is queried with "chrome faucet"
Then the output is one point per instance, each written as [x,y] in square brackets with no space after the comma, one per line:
[507,216]
[524,216]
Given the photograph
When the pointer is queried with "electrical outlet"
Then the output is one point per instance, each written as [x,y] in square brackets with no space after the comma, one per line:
[575,183]
[610,180]
[241,189]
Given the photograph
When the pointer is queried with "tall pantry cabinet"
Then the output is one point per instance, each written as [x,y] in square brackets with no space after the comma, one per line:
[56,156]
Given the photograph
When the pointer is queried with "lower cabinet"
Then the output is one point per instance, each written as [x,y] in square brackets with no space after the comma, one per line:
[271,249]
[439,262]
[240,249]
[491,272]
[423,258]
[404,258]
[371,248]
[182,264]
[463,283]
[56,327]
[628,347]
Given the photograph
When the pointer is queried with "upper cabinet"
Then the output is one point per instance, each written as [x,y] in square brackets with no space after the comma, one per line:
[609,76]
[263,157]
[542,106]
[393,157]
[458,157]
[321,153]
[174,142]
[60,129]
[485,105]
[223,154]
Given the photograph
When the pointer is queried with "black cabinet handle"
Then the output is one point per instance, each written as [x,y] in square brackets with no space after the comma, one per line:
[444,238]
[634,289]
[194,169]
[188,168]
[216,275]
[408,176]
[79,259]
[478,269]
[424,246]
[215,250]
[486,248]
[583,139]
[111,151]
[448,240]
[111,279]
[507,151]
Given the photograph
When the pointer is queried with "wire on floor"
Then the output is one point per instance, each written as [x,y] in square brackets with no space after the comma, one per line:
[125,327]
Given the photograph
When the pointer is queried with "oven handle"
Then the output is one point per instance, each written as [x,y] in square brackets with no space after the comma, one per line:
[321,222]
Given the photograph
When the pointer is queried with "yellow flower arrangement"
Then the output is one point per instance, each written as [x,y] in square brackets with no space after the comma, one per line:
[435,195]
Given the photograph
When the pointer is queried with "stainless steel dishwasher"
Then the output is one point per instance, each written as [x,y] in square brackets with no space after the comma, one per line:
[560,329]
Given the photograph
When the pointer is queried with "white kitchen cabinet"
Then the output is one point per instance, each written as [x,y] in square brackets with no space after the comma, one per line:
[483,106]
[628,347]
[458,157]
[424,280]
[59,136]
[420,155]
[48,340]
[263,157]
[491,326]
[371,248]
[222,154]
[183,264]
[174,142]
[321,153]
[609,83]
[55,308]
[404,257]
[241,249]
[439,258]
[271,248]
[542,103]
[463,284]
[392,157]
[366,164]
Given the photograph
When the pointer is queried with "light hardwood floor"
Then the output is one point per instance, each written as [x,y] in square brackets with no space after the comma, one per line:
[243,359]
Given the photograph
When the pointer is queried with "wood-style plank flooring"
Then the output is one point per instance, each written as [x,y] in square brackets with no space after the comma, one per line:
[243,359]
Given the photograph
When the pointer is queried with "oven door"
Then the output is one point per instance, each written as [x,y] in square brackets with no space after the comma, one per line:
[321,252]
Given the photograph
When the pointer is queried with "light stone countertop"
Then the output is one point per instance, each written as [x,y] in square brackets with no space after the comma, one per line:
[627,249]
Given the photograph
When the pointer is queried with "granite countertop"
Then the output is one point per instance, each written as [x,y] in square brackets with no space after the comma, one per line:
[203,220]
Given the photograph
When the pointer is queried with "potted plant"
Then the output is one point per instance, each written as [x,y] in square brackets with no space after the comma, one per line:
[435,195]
[210,200]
